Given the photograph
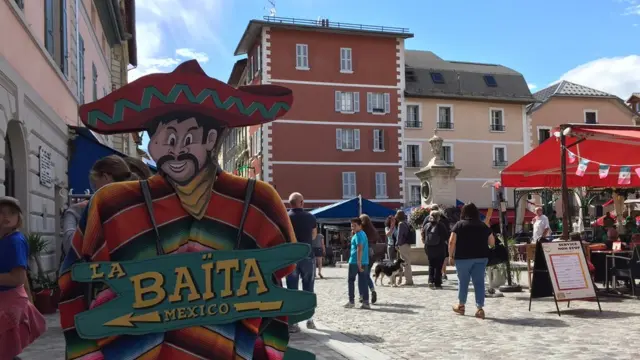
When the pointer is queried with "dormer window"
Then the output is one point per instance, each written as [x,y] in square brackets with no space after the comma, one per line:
[490,81]
[437,78]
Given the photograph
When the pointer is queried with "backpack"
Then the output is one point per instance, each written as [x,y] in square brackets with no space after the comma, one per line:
[433,235]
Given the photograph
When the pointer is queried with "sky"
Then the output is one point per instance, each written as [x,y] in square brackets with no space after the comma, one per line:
[595,43]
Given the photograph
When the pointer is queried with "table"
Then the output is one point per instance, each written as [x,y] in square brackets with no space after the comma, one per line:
[608,254]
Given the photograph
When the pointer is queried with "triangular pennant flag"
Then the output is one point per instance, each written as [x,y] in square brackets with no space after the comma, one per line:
[572,157]
[604,171]
[625,175]
[582,167]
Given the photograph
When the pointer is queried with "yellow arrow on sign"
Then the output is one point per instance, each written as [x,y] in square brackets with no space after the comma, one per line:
[128,320]
[259,305]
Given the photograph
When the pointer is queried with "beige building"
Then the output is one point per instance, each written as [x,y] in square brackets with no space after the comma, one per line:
[567,102]
[479,110]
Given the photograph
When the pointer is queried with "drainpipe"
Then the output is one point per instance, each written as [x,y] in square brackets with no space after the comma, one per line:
[78,70]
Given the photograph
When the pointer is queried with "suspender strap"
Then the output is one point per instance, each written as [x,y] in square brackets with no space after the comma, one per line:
[144,185]
[251,184]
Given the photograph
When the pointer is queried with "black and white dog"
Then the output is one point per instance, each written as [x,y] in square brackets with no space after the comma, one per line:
[392,270]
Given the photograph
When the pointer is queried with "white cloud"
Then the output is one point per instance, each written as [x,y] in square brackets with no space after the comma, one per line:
[192,54]
[161,23]
[532,86]
[617,75]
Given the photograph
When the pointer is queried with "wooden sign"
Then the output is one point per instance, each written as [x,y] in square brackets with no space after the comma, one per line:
[560,270]
[172,292]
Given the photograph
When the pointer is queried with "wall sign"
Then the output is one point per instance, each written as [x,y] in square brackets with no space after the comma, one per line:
[172,292]
[47,172]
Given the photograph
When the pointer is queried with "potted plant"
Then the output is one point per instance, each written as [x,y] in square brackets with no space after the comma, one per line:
[497,275]
[46,293]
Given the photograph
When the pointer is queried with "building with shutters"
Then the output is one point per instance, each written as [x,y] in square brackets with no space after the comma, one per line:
[343,135]
[54,55]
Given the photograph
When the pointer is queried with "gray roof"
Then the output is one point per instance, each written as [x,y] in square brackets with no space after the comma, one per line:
[462,80]
[568,89]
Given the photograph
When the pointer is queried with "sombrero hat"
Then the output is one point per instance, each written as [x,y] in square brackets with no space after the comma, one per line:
[132,107]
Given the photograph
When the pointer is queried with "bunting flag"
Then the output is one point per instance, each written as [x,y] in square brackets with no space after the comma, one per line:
[604,171]
[582,167]
[625,175]
[572,157]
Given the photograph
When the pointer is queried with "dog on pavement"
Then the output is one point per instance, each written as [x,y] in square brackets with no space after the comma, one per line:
[392,270]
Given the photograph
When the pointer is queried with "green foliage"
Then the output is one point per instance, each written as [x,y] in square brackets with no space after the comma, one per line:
[36,244]
[417,217]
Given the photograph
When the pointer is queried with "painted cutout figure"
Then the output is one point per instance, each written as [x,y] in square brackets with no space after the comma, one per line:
[195,207]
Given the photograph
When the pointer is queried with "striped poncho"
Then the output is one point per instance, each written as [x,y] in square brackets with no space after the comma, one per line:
[116,227]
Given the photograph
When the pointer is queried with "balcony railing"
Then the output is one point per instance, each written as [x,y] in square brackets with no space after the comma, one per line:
[336,25]
[413,124]
[447,125]
[500,163]
[414,164]
[497,127]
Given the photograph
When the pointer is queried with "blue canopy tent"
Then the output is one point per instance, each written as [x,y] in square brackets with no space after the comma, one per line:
[345,210]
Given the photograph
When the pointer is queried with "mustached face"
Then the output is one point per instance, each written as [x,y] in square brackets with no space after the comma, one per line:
[181,149]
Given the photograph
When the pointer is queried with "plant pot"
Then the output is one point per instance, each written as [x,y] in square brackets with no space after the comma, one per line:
[46,301]
[496,277]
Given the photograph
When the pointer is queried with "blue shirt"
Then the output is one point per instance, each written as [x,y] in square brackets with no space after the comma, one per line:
[14,252]
[360,238]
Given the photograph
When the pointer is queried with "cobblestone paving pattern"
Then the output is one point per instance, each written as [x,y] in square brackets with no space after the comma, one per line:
[417,323]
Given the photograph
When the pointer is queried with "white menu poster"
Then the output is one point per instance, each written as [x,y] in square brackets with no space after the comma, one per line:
[568,270]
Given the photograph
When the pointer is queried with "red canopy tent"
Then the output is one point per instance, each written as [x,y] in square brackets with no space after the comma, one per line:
[560,161]
[615,146]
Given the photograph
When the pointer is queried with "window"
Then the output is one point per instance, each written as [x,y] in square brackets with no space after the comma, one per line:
[445,117]
[258,59]
[499,156]
[82,70]
[346,63]
[348,185]
[94,73]
[638,107]
[447,153]
[302,57]
[414,195]
[378,103]
[413,156]
[378,140]
[347,102]
[437,78]
[250,71]
[543,134]
[381,185]
[497,120]
[348,139]
[55,32]
[590,117]
[490,81]
[413,117]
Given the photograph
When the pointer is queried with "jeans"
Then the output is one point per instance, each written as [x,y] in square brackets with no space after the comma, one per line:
[471,269]
[305,270]
[363,284]
[391,252]
[435,270]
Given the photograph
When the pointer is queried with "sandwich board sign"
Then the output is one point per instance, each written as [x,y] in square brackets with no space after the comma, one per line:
[560,270]
[172,292]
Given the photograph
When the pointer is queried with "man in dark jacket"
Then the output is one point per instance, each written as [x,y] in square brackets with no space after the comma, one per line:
[404,245]
[435,246]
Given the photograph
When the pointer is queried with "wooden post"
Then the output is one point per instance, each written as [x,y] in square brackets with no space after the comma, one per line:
[565,191]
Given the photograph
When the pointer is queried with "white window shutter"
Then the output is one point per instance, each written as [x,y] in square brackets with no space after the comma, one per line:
[356,139]
[356,102]
[345,184]
[369,102]
[384,184]
[387,103]
[375,139]
[339,139]
[338,101]
[353,184]
[381,139]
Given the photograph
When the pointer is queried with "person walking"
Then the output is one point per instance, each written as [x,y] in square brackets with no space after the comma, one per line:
[435,246]
[469,249]
[404,246]
[21,322]
[319,250]
[444,220]
[303,225]
[372,239]
[389,230]
[358,265]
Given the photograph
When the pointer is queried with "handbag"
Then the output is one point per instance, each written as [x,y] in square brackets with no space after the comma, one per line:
[498,254]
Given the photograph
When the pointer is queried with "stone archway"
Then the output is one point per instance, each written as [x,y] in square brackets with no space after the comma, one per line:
[16,162]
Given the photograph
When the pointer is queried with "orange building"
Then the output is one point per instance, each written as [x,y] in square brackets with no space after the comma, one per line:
[342,137]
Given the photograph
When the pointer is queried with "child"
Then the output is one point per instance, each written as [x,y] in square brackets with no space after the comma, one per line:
[20,322]
[358,265]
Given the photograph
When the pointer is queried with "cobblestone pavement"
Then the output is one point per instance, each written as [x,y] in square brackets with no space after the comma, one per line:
[417,323]
[50,346]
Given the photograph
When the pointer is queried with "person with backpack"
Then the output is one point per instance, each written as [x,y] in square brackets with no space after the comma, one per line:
[435,234]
